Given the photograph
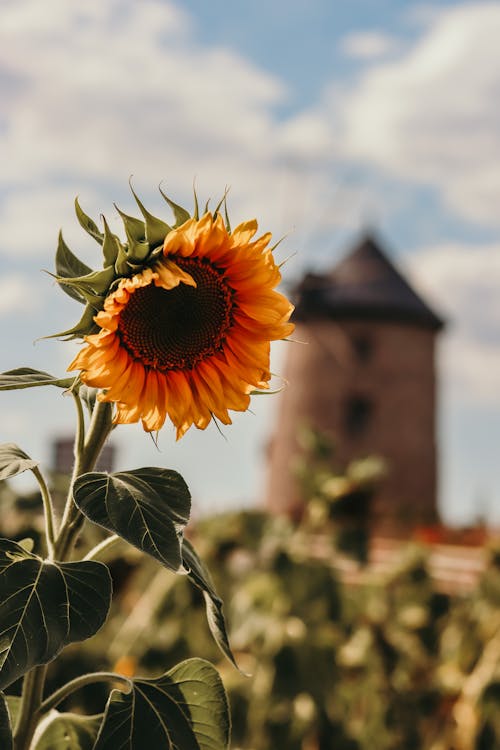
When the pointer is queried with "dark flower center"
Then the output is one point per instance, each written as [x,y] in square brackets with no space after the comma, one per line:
[175,329]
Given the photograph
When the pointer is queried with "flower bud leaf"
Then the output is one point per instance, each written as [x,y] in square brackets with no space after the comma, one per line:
[69,266]
[185,708]
[138,247]
[147,507]
[181,215]
[14,461]
[156,229]
[135,229]
[96,282]
[111,245]
[26,377]
[88,224]
[45,605]
[84,327]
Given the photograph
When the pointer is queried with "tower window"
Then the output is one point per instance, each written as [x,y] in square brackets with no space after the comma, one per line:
[358,413]
[362,344]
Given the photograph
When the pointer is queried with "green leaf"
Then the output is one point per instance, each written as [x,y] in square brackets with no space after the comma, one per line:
[26,377]
[185,709]
[14,461]
[68,266]
[147,507]
[6,742]
[181,215]
[44,606]
[66,731]
[88,224]
[199,574]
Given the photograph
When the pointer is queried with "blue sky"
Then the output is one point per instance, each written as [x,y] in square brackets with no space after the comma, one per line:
[322,117]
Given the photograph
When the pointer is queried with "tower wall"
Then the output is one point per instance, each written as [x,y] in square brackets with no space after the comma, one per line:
[372,386]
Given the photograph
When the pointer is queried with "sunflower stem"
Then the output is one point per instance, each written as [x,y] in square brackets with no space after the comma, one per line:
[81,681]
[87,450]
[102,549]
[48,511]
[80,428]
[29,710]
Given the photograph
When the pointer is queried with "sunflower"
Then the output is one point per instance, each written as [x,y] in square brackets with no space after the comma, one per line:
[188,336]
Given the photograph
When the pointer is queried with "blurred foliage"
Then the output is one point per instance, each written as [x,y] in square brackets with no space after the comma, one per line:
[338,497]
[370,661]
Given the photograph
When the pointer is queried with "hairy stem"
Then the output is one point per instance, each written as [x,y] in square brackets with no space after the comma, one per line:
[78,682]
[86,454]
[101,550]
[48,511]
[87,450]
[31,699]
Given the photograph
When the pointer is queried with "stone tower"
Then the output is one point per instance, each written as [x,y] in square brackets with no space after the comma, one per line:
[365,375]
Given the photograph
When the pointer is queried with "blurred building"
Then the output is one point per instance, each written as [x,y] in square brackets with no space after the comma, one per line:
[62,456]
[366,376]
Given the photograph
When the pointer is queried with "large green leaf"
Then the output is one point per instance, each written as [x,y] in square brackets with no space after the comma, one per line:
[66,732]
[5,725]
[44,606]
[185,709]
[14,461]
[148,507]
[199,574]
[26,377]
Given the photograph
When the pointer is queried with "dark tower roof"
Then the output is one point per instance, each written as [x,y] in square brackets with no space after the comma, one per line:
[365,284]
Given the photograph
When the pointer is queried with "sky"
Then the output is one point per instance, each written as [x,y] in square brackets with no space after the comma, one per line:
[323,119]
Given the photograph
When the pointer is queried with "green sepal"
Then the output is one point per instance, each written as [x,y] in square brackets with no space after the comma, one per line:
[138,247]
[181,215]
[88,224]
[122,266]
[84,327]
[95,282]
[111,246]
[196,212]
[155,229]
[69,266]
[223,202]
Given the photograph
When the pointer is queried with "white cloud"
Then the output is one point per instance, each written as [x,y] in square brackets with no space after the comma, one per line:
[463,282]
[433,115]
[94,92]
[17,296]
[110,88]
[368,45]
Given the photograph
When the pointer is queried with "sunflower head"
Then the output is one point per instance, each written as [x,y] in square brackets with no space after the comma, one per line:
[179,321]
